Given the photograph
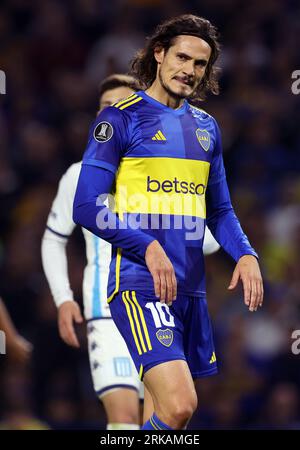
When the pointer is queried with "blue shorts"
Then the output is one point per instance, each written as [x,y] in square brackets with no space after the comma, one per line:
[156,333]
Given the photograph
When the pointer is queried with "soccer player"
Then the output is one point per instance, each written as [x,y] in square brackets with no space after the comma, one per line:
[113,373]
[164,158]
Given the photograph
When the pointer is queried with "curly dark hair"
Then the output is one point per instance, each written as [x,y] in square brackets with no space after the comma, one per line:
[144,65]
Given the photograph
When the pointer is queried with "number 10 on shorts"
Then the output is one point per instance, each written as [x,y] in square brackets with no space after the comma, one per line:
[161,314]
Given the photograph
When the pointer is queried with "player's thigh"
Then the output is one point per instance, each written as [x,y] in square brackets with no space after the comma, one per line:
[199,346]
[111,365]
[148,405]
[153,333]
[171,386]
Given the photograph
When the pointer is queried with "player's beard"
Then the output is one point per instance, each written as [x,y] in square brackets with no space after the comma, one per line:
[175,95]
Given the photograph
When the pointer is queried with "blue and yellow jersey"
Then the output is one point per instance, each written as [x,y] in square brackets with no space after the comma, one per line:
[164,161]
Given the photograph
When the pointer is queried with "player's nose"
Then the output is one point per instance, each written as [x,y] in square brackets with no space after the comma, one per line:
[189,68]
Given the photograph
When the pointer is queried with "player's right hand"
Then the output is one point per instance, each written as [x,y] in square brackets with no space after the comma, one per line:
[69,312]
[162,271]
[19,349]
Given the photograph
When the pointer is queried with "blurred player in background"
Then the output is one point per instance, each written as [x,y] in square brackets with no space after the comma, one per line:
[156,145]
[115,379]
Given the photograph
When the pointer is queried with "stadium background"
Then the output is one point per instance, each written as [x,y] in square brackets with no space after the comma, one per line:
[54,53]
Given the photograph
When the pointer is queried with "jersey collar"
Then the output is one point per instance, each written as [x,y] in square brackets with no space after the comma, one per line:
[176,112]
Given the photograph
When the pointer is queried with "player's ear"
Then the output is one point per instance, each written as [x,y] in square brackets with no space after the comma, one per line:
[159,53]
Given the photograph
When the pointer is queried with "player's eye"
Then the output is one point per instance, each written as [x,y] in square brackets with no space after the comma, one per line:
[201,63]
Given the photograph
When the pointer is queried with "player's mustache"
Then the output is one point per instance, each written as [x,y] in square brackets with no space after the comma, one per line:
[187,80]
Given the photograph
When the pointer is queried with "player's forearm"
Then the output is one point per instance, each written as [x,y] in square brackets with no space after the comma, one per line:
[6,324]
[227,230]
[91,213]
[224,224]
[55,264]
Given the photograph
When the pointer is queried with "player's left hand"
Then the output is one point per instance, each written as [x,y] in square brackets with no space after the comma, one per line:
[247,269]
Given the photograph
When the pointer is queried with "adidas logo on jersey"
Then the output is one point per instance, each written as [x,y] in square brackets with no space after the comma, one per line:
[213,358]
[159,136]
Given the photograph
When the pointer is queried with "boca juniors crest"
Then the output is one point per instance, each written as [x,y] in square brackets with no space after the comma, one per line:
[203,138]
[165,337]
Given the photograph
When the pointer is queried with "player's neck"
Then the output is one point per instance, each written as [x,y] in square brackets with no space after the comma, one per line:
[158,92]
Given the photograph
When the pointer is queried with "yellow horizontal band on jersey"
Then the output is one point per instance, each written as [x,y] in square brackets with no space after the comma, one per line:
[125,100]
[160,185]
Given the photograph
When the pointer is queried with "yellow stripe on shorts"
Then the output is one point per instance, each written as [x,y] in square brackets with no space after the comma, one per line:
[131,323]
[137,323]
[133,295]
[152,423]
[141,372]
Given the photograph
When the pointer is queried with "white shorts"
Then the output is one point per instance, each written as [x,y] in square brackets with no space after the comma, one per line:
[111,364]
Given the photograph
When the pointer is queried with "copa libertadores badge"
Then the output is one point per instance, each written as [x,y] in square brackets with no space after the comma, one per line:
[103,132]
